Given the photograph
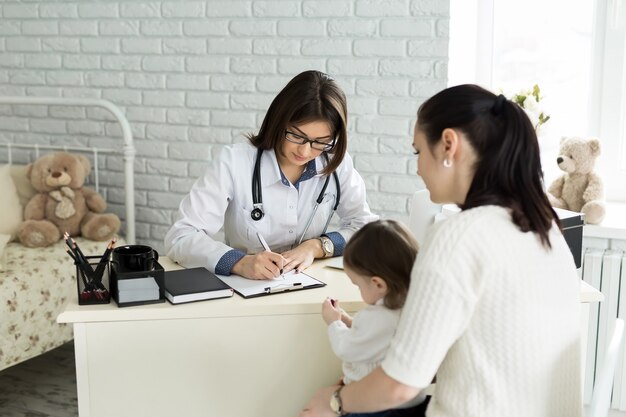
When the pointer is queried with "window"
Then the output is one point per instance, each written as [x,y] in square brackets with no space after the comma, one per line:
[573,49]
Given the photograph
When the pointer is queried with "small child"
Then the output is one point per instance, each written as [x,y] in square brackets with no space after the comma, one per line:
[378,259]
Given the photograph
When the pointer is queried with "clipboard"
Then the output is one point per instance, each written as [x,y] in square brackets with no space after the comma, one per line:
[249,288]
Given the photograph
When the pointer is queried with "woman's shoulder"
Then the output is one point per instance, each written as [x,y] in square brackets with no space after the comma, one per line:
[456,248]
[471,224]
[475,217]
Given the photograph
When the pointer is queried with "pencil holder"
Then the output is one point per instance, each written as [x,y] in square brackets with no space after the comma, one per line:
[92,281]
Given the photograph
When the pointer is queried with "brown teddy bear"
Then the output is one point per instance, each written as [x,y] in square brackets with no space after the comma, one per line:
[579,189]
[63,204]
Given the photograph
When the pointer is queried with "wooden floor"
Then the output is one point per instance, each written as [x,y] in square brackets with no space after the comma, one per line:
[44,386]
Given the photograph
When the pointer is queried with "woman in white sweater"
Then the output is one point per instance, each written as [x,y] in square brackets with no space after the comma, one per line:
[493,304]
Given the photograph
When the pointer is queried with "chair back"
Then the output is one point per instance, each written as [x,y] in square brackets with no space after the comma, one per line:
[601,397]
[422,214]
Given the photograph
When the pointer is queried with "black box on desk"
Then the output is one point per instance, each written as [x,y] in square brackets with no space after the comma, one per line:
[133,297]
[572,224]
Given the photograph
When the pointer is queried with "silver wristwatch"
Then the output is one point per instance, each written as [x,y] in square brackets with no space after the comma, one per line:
[335,402]
[327,246]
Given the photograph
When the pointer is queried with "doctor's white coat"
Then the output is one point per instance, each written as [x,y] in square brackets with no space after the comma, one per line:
[222,197]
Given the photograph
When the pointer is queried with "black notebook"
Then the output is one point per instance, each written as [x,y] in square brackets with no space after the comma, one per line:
[194,284]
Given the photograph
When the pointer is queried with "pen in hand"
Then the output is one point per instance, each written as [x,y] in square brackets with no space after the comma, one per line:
[335,303]
[267,248]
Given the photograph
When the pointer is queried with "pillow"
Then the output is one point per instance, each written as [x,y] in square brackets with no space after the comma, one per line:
[25,191]
[4,239]
[10,207]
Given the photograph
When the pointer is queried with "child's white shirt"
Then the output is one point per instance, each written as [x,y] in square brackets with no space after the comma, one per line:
[363,346]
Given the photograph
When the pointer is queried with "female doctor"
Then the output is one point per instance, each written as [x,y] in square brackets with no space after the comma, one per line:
[279,190]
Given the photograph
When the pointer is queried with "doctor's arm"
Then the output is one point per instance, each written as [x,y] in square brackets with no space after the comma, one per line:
[190,240]
[192,246]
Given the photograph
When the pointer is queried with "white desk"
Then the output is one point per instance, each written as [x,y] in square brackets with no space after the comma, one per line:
[229,357]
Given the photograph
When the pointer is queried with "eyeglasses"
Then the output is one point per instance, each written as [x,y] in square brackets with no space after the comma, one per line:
[301,140]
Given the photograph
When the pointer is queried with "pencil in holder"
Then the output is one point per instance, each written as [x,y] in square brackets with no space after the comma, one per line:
[92,280]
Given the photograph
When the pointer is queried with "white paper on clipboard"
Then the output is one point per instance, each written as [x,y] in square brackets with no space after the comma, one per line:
[248,288]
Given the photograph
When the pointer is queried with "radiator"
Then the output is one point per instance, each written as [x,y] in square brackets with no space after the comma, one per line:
[605,269]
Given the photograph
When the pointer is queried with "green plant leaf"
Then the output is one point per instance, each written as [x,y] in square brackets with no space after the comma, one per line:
[536,92]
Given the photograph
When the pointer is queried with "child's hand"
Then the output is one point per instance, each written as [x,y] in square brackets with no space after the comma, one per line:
[329,312]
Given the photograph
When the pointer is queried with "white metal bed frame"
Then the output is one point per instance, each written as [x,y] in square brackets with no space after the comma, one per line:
[128,150]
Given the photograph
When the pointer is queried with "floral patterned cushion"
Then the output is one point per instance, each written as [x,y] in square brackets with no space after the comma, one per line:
[35,285]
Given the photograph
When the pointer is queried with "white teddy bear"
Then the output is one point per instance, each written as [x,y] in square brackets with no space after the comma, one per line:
[579,189]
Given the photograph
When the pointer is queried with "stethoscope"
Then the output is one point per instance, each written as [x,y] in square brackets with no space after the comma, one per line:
[257,196]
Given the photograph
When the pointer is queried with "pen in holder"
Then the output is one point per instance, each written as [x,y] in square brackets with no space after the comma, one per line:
[92,273]
[92,288]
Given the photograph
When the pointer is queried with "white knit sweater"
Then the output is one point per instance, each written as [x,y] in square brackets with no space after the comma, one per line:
[496,316]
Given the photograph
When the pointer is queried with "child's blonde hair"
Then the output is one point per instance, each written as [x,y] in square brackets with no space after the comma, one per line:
[384,248]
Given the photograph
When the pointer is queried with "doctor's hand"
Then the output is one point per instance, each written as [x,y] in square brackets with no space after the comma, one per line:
[263,265]
[301,257]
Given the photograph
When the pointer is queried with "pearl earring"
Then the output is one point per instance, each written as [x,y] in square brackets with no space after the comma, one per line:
[447,163]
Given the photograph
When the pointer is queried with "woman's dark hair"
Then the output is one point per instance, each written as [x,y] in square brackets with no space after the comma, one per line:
[310,96]
[385,249]
[508,169]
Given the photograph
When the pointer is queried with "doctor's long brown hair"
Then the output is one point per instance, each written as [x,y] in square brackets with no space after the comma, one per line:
[310,96]
[385,249]
[508,168]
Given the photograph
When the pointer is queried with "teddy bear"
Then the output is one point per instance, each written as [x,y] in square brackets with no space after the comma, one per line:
[62,204]
[580,189]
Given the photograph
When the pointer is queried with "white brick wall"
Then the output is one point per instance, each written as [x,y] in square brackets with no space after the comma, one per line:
[192,76]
